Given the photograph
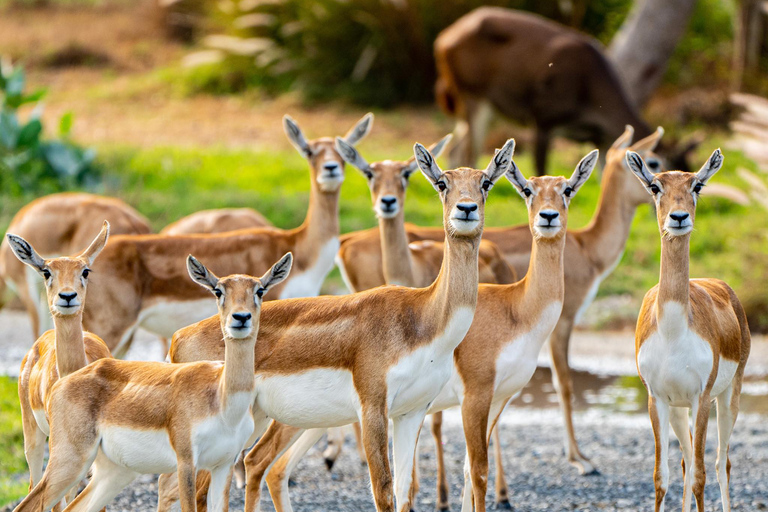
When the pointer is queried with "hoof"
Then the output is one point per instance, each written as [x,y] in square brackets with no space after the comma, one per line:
[504,505]
[329,464]
[444,508]
[291,482]
[594,472]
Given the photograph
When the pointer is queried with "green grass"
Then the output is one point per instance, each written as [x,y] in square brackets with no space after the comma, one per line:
[13,467]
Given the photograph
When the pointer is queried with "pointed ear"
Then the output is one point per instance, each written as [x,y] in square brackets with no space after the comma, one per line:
[583,171]
[713,165]
[200,274]
[97,245]
[625,139]
[517,179]
[435,149]
[352,157]
[427,165]
[24,251]
[501,161]
[278,273]
[638,167]
[649,143]
[295,135]
[360,130]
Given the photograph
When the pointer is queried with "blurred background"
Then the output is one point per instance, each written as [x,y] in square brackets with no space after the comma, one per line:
[175,106]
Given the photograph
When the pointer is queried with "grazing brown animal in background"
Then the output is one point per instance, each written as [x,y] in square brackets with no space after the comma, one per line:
[58,352]
[217,221]
[55,225]
[692,340]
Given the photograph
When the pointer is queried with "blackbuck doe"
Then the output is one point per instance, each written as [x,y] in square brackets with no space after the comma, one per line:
[130,417]
[140,279]
[58,352]
[217,221]
[370,356]
[561,82]
[692,340]
[56,225]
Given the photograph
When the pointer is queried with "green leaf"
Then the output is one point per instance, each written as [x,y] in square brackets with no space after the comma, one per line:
[14,85]
[29,134]
[61,158]
[65,124]
[9,129]
[35,96]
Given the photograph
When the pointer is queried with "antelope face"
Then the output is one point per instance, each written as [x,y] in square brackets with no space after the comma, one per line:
[631,190]
[325,162]
[239,296]
[675,193]
[548,197]
[463,191]
[65,278]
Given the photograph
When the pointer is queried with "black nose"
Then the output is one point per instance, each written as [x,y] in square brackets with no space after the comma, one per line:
[241,317]
[467,208]
[549,216]
[679,217]
[68,296]
[388,201]
[330,166]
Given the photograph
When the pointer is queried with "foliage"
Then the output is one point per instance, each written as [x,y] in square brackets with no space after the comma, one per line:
[12,462]
[31,163]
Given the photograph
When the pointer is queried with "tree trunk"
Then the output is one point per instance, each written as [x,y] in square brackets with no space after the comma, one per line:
[645,42]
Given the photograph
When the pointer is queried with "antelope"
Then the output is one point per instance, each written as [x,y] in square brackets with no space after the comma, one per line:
[692,340]
[499,353]
[58,352]
[369,356]
[217,221]
[130,417]
[562,82]
[59,224]
[145,273]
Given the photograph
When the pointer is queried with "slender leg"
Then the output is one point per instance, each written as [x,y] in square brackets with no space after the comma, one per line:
[659,413]
[187,479]
[542,150]
[167,491]
[335,445]
[375,425]
[280,473]
[470,131]
[405,435]
[442,481]
[502,490]
[700,414]
[107,481]
[218,491]
[475,410]
[726,418]
[678,418]
[34,441]
[359,441]
[561,378]
[239,472]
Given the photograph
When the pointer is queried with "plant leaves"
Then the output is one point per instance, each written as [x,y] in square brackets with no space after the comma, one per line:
[65,124]
[9,129]
[62,159]
[29,134]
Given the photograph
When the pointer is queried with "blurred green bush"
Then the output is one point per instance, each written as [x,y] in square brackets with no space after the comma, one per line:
[29,162]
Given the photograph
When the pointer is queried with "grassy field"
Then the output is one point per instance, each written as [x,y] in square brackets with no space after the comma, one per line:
[13,480]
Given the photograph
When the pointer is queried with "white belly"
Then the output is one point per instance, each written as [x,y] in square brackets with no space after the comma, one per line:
[309,282]
[317,398]
[166,317]
[218,441]
[42,420]
[142,451]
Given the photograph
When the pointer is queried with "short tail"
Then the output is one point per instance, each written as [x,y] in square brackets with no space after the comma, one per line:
[445,96]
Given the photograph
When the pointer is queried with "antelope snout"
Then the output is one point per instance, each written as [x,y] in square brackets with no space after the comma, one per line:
[548,222]
[330,176]
[331,169]
[679,223]
[67,302]
[240,324]
[388,206]
[465,217]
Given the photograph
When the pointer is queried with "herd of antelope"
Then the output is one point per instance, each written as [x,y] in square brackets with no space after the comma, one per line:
[436,318]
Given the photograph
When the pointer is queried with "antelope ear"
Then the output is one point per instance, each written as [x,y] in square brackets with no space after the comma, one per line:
[24,251]
[639,169]
[278,273]
[501,161]
[435,149]
[360,130]
[97,245]
[200,274]
[625,139]
[583,171]
[427,165]
[353,157]
[295,135]
[517,179]
[649,143]
[714,164]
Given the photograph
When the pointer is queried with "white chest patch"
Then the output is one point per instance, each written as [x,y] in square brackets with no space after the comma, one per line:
[418,378]
[344,274]
[166,317]
[308,282]
[316,398]
[676,363]
[592,293]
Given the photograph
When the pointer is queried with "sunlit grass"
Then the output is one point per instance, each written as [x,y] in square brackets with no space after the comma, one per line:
[13,466]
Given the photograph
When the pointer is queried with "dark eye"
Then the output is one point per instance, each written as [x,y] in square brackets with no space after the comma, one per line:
[653,164]
[260,292]
[697,188]
[368,174]
[527,192]
[86,272]
[46,273]
[441,185]
[487,184]
[568,191]
[655,189]
[217,292]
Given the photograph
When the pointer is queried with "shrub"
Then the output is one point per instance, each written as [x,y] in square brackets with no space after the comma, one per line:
[30,163]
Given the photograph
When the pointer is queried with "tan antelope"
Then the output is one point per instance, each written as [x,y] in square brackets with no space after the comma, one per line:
[55,225]
[58,352]
[130,417]
[140,279]
[369,356]
[217,221]
[562,83]
[591,254]
[499,353]
[692,340]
